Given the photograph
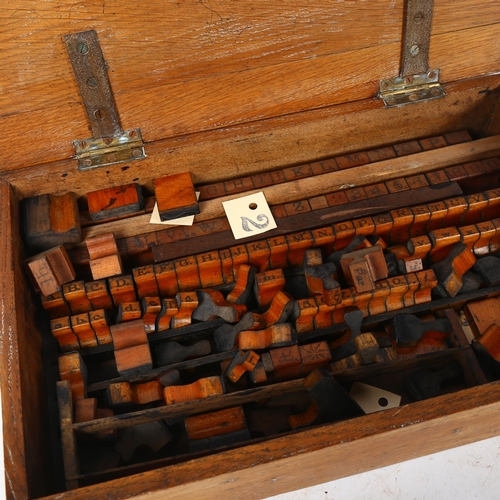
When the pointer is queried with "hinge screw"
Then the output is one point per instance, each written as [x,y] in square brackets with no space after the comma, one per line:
[111,158]
[82,48]
[87,162]
[136,153]
[431,75]
[99,114]
[83,144]
[92,82]
[414,50]
[413,97]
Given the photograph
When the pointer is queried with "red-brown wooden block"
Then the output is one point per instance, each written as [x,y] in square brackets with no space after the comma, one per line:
[399,287]
[267,285]
[76,297]
[101,245]
[383,225]
[187,302]
[403,219]
[104,267]
[427,282]
[377,304]
[145,281]
[437,177]
[438,210]
[166,277]
[407,148]
[129,311]
[336,199]
[210,269]
[490,340]
[258,255]
[226,264]
[169,309]
[315,355]
[442,240]
[212,304]
[245,276]
[278,335]
[324,238]
[413,285]
[151,307]
[303,314]
[100,324]
[481,314]
[73,369]
[115,202]
[176,196]
[49,221]
[240,256]
[287,362]
[49,270]
[476,204]
[352,160]
[457,208]
[140,393]
[62,331]
[122,289]
[55,305]
[280,309]
[278,257]
[98,294]
[298,243]
[80,324]
[202,388]
[469,235]
[132,351]
[188,277]
[215,423]
[242,362]
[419,247]
[321,279]
[421,215]
[104,257]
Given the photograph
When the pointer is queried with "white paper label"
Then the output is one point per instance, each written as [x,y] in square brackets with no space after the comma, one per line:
[372,399]
[249,215]
[181,221]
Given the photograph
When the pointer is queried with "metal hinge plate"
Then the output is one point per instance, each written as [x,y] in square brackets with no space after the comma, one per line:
[401,90]
[102,151]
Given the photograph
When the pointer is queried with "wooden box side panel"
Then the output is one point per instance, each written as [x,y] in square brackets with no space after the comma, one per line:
[178,68]
[21,375]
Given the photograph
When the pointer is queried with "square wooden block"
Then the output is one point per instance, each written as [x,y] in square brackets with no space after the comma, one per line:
[115,202]
[175,196]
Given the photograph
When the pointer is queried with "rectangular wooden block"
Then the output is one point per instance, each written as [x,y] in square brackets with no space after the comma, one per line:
[175,196]
[115,202]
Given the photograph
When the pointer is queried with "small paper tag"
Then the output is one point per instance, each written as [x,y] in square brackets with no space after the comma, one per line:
[181,221]
[372,399]
[249,215]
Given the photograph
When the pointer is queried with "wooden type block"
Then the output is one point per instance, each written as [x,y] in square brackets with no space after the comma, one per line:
[488,240]
[362,268]
[258,375]
[241,363]
[188,277]
[297,207]
[437,177]
[153,435]
[385,354]
[132,352]
[115,202]
[128,334]
[324,238]
[367,347]
[442,240]
[425,384]
[278,335]
[169,309]
[490,340]
[439,211]
[407,148]
[348,363]
[151,308]
[212,304]
[215,423]
[245,276]
[227,267]
[145,281]
[258,255]
[49,221]
[355,194]
[187,302]
[324,166]
[98,294]
[417,181]
[403,219]
[381,154]
[397,185]
[427,282]
[375,190]
[336,199]
[421,215]
[267,285]
[377,240]
[140,393]
[210,269]
[398,286]
[129,311]
[357,243]
[330,401]
[101,245]
[469,235]
[298,243]
[80,324]
[456,173]
[352,160]
[55,305]
[76,297]
[314,355]
[457,208]
[225,335]
[172,352]
[449,272]
[419,247]
[364,226]
[122,289]
[413,286]
[407,329]
[73,369]
[493,208]
[166,278]
[383,225]
[344,233]
[482,314]
[87,410]
[320,278]
[432,143]
[49,270]
[476,204]
[318,202]
[100,324]
[105,267]
[211,191]
[377,303]
[63,333]
[176,196]
[457,137]
[303,314]
[238,185]
[287,362]
[169,377]
[280,309]
[240,256]
[201,389]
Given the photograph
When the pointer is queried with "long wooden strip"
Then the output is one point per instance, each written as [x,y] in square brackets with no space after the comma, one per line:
[363,175]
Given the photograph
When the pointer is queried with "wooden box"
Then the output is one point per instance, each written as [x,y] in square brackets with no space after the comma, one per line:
[228,90]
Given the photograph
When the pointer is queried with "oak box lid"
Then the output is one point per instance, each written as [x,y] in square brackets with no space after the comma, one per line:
[181,68]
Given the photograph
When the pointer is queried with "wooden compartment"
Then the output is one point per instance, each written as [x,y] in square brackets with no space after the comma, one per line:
[225,91]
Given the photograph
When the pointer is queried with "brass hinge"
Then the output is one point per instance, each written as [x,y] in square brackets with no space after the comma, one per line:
[403,90]
[110,143]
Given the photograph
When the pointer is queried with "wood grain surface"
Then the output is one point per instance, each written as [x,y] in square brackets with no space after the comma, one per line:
[215,64]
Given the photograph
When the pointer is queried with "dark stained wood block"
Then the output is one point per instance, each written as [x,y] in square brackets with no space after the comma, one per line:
[172,352]
[50,220]
[212,304]
[176,196]
[111,203]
